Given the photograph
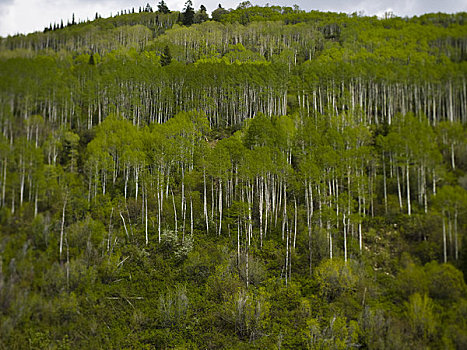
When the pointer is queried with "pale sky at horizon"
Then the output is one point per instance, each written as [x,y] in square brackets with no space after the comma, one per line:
[26,16]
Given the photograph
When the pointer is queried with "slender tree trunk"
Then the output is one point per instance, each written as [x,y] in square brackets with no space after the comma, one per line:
[319,207]
[21,189]
[205,202]
[175,214]
[136,183]
[104,181]
[212,202]
[360,235]
[345,239]
[261,191]
[409,208]
[425,197]
[453,162]
[238,241]
[385,188]
[4,181]
[62,228]
[399,192]
[35,200]
[126,181]
[146,214]
[124,225]
[160,203]
[183,201]
[220,207]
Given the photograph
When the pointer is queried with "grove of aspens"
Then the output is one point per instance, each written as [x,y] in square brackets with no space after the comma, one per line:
[261,178]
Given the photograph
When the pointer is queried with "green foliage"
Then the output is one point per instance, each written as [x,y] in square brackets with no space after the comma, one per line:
[273,178]
[180,247]
[446,283]
[420,316]
[218,13]
[335,278]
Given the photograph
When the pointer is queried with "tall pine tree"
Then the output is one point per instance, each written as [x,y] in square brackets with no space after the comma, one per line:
[166,57]
[188,14]
[162,7]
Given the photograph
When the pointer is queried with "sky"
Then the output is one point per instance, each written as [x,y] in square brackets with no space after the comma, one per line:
[26,16]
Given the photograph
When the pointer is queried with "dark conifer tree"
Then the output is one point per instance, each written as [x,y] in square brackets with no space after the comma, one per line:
[148,8]
[188,14]
[166,57]
[162,7]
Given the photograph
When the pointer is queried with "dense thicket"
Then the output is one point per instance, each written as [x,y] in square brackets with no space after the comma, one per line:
[285,179]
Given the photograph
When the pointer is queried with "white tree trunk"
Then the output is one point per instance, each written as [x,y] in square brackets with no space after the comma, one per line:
[62,228]
[409,207]
[445,255]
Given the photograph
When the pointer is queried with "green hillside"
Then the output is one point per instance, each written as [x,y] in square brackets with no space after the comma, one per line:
[269,178]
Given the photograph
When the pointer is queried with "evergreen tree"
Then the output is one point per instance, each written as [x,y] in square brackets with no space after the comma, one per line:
[162,7]
[148,8]
[166,57]
[188,14]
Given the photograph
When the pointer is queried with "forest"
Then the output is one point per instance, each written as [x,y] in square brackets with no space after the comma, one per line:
[261,178]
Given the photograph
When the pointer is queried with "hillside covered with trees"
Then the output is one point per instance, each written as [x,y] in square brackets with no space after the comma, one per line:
[264,178]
